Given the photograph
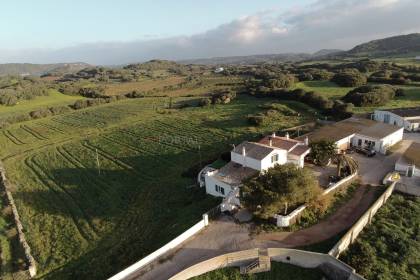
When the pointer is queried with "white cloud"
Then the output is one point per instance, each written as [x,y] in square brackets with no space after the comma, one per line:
[323,24]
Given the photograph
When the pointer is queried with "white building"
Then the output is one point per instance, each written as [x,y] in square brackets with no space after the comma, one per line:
[248,159]
[408,118]
[409,163]
[358,132]
[219,70]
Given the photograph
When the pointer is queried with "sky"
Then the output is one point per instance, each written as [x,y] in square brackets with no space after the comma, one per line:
[125,31]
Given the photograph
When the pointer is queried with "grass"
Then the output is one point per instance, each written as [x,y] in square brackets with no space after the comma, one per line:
[327,88]
[85,220]
[278,271]
[25,106]
[389,248]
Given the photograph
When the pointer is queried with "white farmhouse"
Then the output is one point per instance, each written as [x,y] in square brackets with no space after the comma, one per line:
[409,163]
[358,132]
[408,118]
[248,159]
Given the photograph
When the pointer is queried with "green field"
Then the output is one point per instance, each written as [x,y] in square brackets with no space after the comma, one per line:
[97,189]
[389,248]
[327,88]
[25,106]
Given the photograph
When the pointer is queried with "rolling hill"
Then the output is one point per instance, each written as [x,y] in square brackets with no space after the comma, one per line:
[25,69]
[403,45]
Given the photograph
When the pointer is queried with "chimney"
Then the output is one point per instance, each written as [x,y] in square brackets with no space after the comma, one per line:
[287,135]
[306,141]
[273,134]
[270,141]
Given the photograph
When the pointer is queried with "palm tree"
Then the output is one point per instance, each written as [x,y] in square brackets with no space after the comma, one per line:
[345,164]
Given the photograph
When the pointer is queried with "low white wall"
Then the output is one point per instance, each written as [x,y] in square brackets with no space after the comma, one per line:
[340,183]
[285,221]
[292,256]
[129,271]
[365,219]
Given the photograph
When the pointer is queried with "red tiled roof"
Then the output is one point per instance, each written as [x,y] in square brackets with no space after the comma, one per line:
[279,142]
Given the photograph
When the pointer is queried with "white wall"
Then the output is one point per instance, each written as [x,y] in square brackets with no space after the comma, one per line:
[260,165]
[344,142]
[378,142]
[393,138]
[211,183]
[393,119]
[266,162]
[246,161]
[131,271]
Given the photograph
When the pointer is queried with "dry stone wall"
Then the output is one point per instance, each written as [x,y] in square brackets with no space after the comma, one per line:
[4,182]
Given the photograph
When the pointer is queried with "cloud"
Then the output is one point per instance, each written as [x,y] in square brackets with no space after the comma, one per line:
[323,24]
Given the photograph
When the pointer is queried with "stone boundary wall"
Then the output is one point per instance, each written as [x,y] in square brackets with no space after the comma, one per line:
[333,268]
[287,220]
[29,258]
[133,269]
[364,220]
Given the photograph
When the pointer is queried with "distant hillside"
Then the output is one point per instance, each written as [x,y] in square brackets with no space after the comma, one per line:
[326,52]
[249,59]
[402,45]
[40,69]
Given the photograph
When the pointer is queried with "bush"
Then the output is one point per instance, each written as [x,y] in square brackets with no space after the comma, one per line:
[370,95]
[349,78]
[204,102]
[268,193]
[223,97]
[8,99]
[256,119]
[42,113]
[135,94]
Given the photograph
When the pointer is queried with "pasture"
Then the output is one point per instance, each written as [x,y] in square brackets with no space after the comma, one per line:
[326,88]
[97,189]
[25,106]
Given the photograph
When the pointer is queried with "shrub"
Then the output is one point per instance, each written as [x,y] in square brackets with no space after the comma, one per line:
[42,113]
[8,99]
[223,97]
[349,78]
[204,102]
[256,119]
[322,151]
[135,94]
[370,95]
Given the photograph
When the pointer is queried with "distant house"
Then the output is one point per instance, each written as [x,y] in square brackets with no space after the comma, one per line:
[219,70]
[409,118]
[409,163]
[248,159]
[359,132]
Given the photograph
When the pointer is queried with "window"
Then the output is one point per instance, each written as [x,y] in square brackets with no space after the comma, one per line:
[274,158]
[387,118]
[220,189]
[359,142]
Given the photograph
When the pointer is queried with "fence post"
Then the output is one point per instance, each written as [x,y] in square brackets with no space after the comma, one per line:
[206,219]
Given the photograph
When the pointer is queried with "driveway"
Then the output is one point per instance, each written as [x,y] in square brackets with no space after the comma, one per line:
[225,236]
[373,169]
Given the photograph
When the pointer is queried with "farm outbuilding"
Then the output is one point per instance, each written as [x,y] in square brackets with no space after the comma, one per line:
[408,118]
[359,132]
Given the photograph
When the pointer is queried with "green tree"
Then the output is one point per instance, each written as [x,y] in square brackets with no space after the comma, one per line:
[322,151]
[280,187]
